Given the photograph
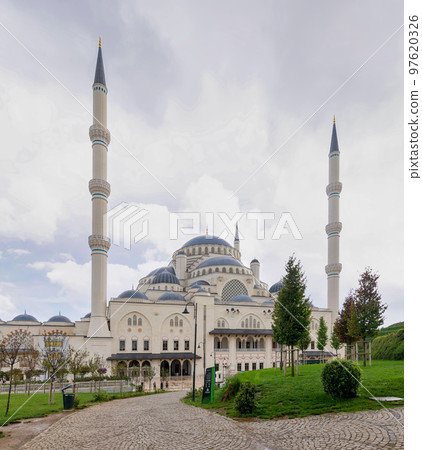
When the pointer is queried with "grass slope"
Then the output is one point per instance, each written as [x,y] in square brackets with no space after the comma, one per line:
[37,405]
[303,396]
[389,346]
[391,329]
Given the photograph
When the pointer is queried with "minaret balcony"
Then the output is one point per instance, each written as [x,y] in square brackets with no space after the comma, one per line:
[97,186]
[99,133]
[99,242]
[334,188]
[333,268]
[333,227]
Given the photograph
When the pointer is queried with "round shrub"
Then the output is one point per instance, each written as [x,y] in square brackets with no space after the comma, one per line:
[245,399]
[340,378]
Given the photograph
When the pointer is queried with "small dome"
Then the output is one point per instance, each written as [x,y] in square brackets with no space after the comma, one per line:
[220,261]
[165,277]
[276,287]
[25,318]
[87,316]
[268,303]
[195,286]
[241,298]
[202,283]
[171,296]
[59,318]
[206,239]
[132,293]
[162,269]
[181,252]
[254,261]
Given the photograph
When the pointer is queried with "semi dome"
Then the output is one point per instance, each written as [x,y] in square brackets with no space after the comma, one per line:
[132,293]
[195,286]
[220,261]
[276,287]
[162,269]
[206,239]
[254,261]
[171,296]
[202,283]
[25,318]
[87,316]
[59,318]
[241,298]
[165,277]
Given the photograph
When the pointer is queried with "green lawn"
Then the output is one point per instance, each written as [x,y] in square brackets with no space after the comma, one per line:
[303,396]
[38,406]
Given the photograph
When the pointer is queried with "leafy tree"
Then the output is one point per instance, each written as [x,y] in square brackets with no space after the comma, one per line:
[148,373]
[346,322]
[304,342]
[292,310]
[322,337]
[76,363]
[334,341]
[369,311]
[95,364]
[54,356]
[30,361]
[13,347]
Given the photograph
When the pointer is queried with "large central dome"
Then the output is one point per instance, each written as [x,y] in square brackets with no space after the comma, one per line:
[206,240]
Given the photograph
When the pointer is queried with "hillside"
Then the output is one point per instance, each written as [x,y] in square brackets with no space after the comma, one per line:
[390,343]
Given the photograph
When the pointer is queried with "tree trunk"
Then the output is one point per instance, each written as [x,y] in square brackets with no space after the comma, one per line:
[51,389]
[364,353]
[10,389]
[74,383]
[54,391]
[292,360]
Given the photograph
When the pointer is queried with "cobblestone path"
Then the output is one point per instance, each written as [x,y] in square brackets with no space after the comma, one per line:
[162,422]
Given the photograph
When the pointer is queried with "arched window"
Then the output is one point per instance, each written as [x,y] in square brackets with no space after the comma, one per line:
[231,289]
[212,249]
[199,251]
[219,250]
[171,323]
[139,322]
[224,270]
[176,321]
[246,323]
[203,271]
[181,323]
[193,251]
[258,324]
[134,320]
[209,270]
[254,323]
[230,270]
[237,270]
[206,250]
[129,321]
[218,324]
[217,269]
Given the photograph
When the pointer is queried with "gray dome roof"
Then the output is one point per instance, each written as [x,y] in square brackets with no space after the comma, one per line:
[268,303]
[202,283]
[206,240]
[165,277]
[162,269]
[220,261]
[254,261]
[241,298]
[87,316]
[171,296]
[276,287]
[25,318]
[181,252]
[195,286]
[132,293]
[59,318]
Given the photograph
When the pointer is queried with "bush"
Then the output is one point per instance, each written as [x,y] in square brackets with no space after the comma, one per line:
[233,384]
[245,399]
[100,396]
[340,378]
[139,388]
[76,402]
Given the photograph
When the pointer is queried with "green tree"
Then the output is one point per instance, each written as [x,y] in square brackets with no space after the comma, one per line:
[148,373]
[322,337]
[95,363]
[13,347]
[369,311]
[334,341]
[292,310]
[304,342]
[76,363]
[344,326]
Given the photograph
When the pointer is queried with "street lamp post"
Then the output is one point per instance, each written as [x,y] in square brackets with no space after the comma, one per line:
[194,346]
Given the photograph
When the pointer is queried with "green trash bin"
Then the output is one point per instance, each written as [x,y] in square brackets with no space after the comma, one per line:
[68,401]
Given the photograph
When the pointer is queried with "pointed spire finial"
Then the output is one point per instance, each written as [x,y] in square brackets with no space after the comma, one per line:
[334,119]
[99,42]
[334,142]
[206,231]
[236,236]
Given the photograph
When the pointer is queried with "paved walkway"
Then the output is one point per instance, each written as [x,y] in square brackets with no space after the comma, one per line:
[163,422]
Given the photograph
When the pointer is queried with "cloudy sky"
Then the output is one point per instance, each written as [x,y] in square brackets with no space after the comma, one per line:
[214,106]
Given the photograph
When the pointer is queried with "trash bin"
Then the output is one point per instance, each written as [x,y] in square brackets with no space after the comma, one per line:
[68,401]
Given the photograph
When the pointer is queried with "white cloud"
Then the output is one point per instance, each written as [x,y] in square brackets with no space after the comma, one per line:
[18,252]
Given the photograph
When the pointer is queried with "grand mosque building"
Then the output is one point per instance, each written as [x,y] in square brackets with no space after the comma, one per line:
[206,287]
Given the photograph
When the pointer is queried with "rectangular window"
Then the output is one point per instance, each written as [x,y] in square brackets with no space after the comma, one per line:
[186,345]
[312,345]
[175,345]
[261,366]
[239,367]
[146,345]
[165,345]
[122,345]
[273,364]
[253,366]
[134,346]
[246,367]
[217,367]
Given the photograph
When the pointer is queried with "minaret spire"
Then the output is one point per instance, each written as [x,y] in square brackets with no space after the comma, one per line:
[333,229]
[100,191]
[236,238]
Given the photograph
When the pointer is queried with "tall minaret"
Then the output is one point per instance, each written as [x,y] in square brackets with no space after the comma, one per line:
[100,190]
[333,268]
[236,238]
